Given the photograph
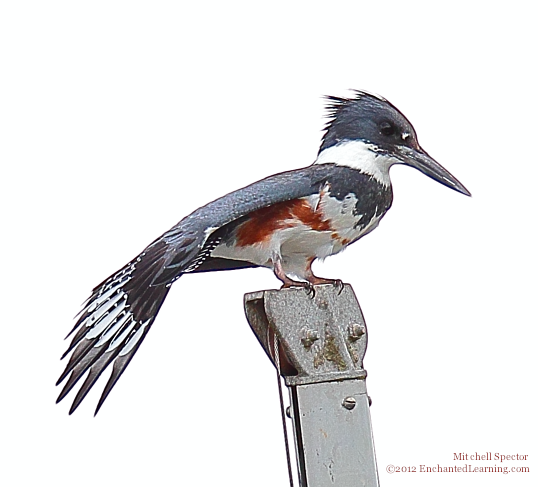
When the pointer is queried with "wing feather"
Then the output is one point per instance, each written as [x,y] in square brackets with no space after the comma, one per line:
[184,250]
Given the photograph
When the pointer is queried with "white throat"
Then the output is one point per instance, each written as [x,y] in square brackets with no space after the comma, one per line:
[359,155]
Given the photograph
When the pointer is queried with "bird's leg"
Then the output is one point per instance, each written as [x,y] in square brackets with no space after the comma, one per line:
[279,272]
[314,280]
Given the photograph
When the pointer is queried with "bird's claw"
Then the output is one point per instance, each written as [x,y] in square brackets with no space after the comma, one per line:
[310,290]
[339,285]
[307,286]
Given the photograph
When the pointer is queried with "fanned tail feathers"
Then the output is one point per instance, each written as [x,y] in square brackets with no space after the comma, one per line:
[113,324]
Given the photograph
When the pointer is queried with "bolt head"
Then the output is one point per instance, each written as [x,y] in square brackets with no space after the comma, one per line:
[349,402]
[308,336]
[355,331]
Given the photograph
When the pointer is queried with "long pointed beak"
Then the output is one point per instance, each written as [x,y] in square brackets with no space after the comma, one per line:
[419,159]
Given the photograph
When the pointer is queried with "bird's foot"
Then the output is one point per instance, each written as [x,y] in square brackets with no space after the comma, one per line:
[307,286]
[288,282]
[337,283]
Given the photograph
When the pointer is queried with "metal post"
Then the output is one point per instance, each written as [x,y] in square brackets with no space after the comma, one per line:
[321,343]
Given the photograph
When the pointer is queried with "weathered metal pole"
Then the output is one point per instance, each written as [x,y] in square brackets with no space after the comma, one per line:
[321,342]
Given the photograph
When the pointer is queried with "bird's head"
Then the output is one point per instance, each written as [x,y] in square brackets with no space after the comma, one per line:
[369,133]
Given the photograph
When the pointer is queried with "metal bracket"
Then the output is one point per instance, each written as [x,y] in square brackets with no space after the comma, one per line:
[322,342]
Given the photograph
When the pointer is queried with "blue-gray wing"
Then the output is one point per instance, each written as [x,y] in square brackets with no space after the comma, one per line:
[189,242]
[121,310]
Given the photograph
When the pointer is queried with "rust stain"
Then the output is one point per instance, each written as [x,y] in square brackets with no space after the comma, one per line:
[262,223]
[319,359]
[332,353]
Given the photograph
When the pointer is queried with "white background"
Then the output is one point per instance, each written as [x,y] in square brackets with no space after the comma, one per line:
[119,118]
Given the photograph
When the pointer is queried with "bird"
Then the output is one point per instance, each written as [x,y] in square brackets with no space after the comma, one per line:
[283,222]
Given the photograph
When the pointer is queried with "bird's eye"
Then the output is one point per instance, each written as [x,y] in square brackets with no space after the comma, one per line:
[387,128]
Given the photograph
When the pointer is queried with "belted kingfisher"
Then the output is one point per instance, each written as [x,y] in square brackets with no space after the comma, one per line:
[283,222]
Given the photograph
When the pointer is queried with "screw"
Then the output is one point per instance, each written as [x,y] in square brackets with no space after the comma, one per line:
[355,331]
[288,412]
[349,402]
[308,336]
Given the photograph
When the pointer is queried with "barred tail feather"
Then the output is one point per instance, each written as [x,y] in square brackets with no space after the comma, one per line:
[113,324]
